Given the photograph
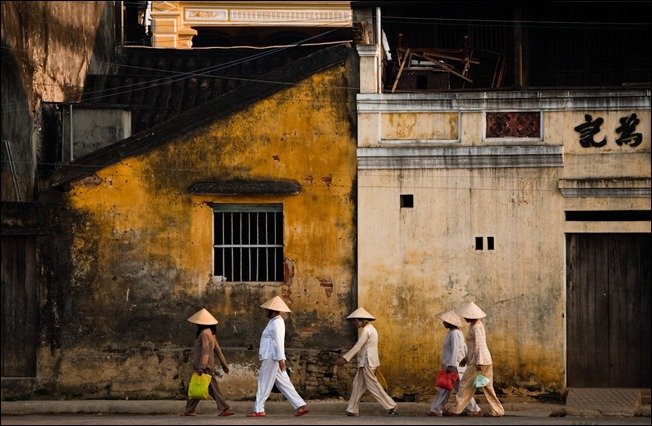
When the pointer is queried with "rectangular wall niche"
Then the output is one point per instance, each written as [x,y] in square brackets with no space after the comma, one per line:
[479,243]
[513,125]
[407,201]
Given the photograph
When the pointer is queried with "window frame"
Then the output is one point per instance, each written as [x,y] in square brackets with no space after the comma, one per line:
[269,244]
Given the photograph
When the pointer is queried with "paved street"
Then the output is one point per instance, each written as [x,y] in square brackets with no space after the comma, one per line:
[310,419]
[279,412]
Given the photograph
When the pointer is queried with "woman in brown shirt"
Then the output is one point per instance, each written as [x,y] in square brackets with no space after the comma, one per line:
[203,361]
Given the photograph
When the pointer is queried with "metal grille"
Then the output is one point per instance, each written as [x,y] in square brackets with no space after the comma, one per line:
[248,242]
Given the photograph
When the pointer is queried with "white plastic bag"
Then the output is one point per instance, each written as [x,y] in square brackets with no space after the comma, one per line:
[480,381]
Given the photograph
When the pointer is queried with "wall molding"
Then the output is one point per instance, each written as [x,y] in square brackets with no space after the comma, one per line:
[540,100]
[463,157]
[618,187]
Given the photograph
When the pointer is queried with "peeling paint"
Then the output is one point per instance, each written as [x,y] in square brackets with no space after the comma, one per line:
[327,283]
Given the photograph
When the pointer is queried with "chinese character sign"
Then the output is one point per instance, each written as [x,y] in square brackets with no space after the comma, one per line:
[626,132]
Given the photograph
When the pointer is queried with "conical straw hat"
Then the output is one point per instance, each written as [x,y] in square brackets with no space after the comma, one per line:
[470,310]
[361,313]
[276,304]
[451,317]
[202,317]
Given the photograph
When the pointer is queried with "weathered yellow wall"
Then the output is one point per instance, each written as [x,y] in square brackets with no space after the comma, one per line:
[420,261]
[416,262]
[143,249]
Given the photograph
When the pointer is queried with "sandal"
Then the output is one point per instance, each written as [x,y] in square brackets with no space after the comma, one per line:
[257,414]
[447,413]
[301,411]
[188,413]
[432,414]
[226,412]
[350,414]
[393,413]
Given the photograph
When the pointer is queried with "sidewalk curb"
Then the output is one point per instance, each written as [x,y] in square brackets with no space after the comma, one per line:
[324,407]
[327,407]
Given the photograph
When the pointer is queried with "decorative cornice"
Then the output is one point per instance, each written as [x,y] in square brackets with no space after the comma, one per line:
[618,187]
[460,157]
[262,14]
[542,100]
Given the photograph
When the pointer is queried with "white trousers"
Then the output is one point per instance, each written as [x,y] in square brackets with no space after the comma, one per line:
[365,380]
[270,373]
[442,398]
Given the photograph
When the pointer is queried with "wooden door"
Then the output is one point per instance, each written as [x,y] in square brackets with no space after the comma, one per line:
[608,310]
[19,306]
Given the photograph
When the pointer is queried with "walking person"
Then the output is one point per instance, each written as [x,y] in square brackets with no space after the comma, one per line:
[203,361]
[477,360]
[272,362]
[368,360]
[452,353]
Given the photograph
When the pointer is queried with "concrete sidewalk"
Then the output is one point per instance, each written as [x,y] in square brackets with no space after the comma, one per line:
[514,406]
[326,407]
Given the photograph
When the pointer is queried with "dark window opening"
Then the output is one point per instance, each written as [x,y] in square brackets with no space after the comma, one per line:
[136,32]
[478,243]
[609,216]
[422,81]
[490,243]
[407,200]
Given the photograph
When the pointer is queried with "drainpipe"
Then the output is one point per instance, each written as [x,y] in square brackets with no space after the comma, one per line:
[379,44]
[62,141]
[71,137]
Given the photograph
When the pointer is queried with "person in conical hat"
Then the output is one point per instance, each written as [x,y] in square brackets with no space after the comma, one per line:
[202,317]
[361,313]
[470,310]
[273,370]
[203,361]
[452,353]
[477,360]
[368,359]
[276,304]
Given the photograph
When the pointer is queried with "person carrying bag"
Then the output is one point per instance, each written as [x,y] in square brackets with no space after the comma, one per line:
[452,353]
[203,384]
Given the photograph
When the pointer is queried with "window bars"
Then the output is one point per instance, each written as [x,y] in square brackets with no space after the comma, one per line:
[248,242]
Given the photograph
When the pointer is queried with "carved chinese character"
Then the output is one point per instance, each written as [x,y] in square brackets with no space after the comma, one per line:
[588,130]
[626,129]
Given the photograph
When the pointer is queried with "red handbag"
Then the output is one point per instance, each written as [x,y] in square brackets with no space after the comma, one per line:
[446,379]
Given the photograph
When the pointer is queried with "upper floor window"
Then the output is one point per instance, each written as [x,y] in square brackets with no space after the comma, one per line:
[248,242]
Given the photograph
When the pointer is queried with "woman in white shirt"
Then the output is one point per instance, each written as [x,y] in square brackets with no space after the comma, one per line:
[452,353]
[477,360]
[272,362]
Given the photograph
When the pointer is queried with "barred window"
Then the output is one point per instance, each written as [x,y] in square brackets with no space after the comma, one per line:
[248,242]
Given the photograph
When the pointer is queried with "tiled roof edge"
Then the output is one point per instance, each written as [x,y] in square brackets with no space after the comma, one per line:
[221,106]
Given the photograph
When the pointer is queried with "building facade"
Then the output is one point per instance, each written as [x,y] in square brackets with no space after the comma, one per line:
[532,202]
[469,151]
